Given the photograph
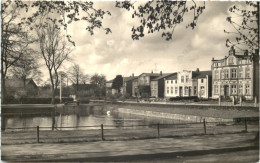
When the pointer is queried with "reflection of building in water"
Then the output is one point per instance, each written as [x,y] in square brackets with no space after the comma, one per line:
[235,75]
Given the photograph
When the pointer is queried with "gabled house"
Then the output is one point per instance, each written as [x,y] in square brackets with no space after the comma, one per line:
[157,85]
[19,87]
[189,83]
[128,85]
[143,83]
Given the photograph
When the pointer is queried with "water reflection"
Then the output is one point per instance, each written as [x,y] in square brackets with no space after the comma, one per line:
[77,117]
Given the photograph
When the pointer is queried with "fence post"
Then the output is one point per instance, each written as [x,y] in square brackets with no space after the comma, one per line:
[204,122]
[102,132]
[245,125]
[38,134]
[2,123]
[158,128]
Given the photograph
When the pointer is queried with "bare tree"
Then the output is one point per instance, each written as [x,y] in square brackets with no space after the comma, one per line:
[245,22]
[15,39]
[27,66]
[76,76]
[54,50]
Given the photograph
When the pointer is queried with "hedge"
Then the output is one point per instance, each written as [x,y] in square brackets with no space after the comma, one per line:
[40,100]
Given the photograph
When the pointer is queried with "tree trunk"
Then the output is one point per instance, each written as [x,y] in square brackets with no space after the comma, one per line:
[53,95]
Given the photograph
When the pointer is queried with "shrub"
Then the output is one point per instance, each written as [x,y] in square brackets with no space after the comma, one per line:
[33,100]
[127,95]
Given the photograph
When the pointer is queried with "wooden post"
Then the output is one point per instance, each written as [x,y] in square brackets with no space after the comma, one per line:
[38,134]
[204,122]
[245,125]
[2,123]
[102,132]
[158,129]
[219,100]
[240,100]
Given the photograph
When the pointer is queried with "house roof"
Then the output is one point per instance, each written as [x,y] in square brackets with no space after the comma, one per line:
[172,76]
[125,79]
[163,76]
[200,74]
[150,74]
[17,83]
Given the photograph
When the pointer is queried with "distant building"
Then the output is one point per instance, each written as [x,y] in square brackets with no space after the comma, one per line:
[128,85]
[188,83]
[109,87]
[157,85]
[143,84]
[235,75]
[18,87]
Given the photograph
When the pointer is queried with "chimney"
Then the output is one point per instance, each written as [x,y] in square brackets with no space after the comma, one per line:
[133,75]
[246,53]
[198,70]
[161,73]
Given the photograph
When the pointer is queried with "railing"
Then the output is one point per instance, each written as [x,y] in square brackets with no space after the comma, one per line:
[155,129]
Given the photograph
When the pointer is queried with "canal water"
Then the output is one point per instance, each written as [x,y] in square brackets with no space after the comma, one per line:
[80,117]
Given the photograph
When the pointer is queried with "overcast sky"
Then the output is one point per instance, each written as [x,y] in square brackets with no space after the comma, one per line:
[117,53]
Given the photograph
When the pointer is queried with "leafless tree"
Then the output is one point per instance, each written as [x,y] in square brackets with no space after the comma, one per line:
[15,39]
[55,49]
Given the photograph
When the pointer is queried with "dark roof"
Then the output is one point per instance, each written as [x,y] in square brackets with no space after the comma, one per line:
[200,74]
[151,74]
[125,79]
[242,56]
[17,83]
[84,86]
[172,76]
[165,75]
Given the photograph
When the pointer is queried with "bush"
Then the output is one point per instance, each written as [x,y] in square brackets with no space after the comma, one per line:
[195,98]
[83,100]
[33,100]
[11,100]
[127,95]
[145,95]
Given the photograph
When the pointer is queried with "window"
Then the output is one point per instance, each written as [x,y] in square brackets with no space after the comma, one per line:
[247,89]
[222,89]
[233,73]
[168,90]
[201,80]
[202,90]
[233,89]
[247,72]
[176,90]
[240,89]
[171,90]
[195,90]
[171,81]
[175,81]
[167,81]
[216,89]
[240,73]
[186,90]
[222,74]
[216,74]
[231,61]
[226,74]
[187,78]
[182,79]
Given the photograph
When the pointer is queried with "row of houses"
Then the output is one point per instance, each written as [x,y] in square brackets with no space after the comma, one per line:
[234,75]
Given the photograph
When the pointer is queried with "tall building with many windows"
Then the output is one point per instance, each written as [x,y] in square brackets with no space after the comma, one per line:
[235,75]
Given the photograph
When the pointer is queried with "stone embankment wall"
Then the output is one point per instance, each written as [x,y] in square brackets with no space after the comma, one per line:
[189,118]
